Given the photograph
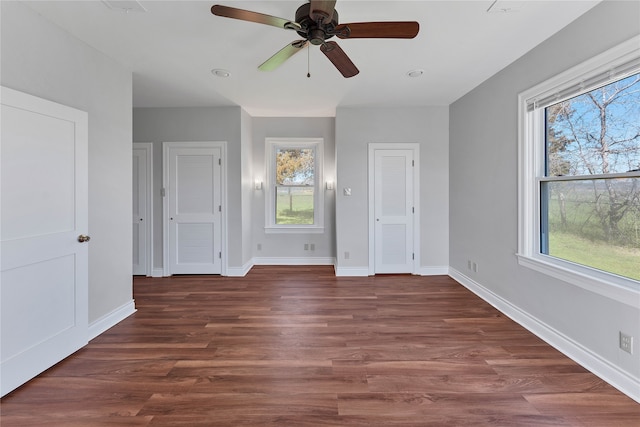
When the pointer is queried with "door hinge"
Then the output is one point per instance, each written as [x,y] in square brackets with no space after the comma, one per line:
[413,209]
[163,192]
[413,256]
[220,162]
[413,163]
[220,255]
[219,208]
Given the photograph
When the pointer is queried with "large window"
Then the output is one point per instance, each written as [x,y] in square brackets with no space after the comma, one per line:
[294,196]
[579,200]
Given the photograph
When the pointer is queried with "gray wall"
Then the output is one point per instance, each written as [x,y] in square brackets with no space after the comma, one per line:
[245,136]
[483,189]
[158,125]
[289,246]
[247,186]
[41,59]
[355,128]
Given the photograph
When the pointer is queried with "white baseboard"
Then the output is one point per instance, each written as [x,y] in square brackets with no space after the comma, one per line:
[239,271]
[352,271]
[293,261]
[364,271]
[111,319]
[618,378]
[434,270]
[340,271]
[243,270]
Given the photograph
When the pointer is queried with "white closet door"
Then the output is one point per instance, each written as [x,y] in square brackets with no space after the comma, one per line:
[44,279]
[141,217]
[393,206]
[194,210]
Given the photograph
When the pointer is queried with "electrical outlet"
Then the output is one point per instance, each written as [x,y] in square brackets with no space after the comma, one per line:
[469,264]
[626,342]
[346,255]
[312,246]
[306,246]
[259,246]
[475,267]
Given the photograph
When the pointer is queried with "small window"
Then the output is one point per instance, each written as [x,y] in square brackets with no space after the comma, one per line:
[579,172]
[294,196]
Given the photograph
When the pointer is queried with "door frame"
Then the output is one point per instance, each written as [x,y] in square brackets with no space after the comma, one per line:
[147,147]
[415,148]
[166,146]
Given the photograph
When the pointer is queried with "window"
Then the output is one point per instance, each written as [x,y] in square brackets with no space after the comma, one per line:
[294,194]
[579,174]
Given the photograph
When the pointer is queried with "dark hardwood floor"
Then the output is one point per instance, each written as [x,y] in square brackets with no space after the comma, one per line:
[296,346]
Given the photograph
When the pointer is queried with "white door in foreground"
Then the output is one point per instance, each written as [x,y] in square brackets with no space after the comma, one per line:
[44,279]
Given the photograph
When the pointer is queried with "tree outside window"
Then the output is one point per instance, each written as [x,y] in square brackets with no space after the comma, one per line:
[590,195]
[295,185]
[294,199]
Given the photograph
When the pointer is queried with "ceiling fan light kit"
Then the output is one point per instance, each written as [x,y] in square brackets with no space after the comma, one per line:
[317,22]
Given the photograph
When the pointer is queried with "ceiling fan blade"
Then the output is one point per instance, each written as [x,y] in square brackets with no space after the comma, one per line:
[339,59]
[321,10]
[378,30]
[283,54]
[247,15]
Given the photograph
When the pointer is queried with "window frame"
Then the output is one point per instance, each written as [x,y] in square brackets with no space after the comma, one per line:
[614,64]
[272,146]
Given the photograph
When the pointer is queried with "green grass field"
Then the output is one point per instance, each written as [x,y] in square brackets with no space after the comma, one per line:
[582,219]
[294,209]
[615,259]
[582,237]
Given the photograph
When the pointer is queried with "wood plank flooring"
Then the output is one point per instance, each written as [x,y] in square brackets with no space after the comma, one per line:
[296,346]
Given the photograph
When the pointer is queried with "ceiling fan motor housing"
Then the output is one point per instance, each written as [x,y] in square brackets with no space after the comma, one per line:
[315,32]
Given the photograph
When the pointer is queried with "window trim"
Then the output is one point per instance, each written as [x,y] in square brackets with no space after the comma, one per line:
[271,145]
[586,76]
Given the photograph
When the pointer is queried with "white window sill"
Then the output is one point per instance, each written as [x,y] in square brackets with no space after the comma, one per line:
[621,289]
[294,230]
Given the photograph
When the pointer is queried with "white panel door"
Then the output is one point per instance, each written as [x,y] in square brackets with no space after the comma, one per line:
[393,211]
[44,265]
[141,217]
[194,210]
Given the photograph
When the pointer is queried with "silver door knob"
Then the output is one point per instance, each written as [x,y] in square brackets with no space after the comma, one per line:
[82,238]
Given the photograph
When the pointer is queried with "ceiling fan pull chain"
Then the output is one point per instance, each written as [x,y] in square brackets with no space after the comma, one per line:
[308,62]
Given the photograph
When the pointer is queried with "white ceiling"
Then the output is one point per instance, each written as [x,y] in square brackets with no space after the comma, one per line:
[173,46]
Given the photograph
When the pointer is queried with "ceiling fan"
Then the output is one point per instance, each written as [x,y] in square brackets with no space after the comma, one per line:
[316,22]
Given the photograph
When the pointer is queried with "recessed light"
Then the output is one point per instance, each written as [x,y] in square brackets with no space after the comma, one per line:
[219,72]
[415,73]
